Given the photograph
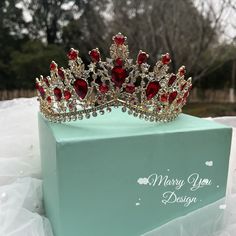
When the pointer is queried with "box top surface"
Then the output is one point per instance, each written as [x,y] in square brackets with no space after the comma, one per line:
[118,124]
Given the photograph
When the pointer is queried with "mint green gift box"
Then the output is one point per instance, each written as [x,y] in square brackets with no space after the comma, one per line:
[121,176]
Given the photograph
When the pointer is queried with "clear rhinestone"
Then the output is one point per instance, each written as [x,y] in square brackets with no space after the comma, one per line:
[108,109]
[94,114]
[101,112]
[80,117]
[124,109]
[141,116]
[130,112]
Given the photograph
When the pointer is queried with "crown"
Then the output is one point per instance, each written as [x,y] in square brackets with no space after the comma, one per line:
[82,92]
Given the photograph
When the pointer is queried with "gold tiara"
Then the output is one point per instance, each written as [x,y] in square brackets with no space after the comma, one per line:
[81,92]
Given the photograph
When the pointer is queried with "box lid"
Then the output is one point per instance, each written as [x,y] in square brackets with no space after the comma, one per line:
[119,124]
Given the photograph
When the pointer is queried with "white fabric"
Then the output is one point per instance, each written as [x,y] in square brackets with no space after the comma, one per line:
[21,212]
[20,185]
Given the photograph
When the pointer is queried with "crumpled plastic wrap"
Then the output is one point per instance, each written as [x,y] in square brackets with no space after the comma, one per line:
[21,209]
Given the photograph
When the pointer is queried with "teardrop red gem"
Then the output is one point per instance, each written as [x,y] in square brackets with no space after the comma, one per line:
[152,89]
[94,55]
[142,58]
[61,73]
[72,54]
[166,59]
[49,100]
[172,96]
[53,66]
[172,79]
[119,39]
[118,75]
[41,90]
[67,94]
[182,71]
[186,95]
[57,93]
[81,88]
[182,86]
[45,79]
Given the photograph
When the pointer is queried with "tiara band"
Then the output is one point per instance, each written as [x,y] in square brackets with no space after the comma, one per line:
[82,92]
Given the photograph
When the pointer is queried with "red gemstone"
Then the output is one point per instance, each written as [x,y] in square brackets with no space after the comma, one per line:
[182,71]
[179,100]
[152,89]
[49,100]
[103,88]
[182,86]
[172,96]
[164,97]
[166,59]
[119,62]
[71,106]
[119,39]
[41,90]
[172,79]
[130,88]
[81,88]
[67,94]
[61,73]
[142,57]
[37,85]
[57,93]
[53,66]
[45,80]
[186,95]
[118,75]
[72,54]
[94,55]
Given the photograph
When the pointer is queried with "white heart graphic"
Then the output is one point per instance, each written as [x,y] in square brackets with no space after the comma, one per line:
[209,163]
[143,181]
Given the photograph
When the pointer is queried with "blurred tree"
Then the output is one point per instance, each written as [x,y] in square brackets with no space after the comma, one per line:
[11,18]
[11,38]
[90,29]
[33,60]
[47,18]
[188,32]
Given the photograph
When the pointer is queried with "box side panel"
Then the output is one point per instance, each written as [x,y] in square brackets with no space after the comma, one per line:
[49,173]
[103,183]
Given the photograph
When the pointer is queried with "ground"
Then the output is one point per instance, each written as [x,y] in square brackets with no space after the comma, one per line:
[210,109]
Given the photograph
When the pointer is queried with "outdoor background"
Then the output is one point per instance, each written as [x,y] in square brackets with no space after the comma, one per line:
[200,34]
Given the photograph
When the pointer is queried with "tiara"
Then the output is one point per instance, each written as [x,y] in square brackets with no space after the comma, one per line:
[85,91]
